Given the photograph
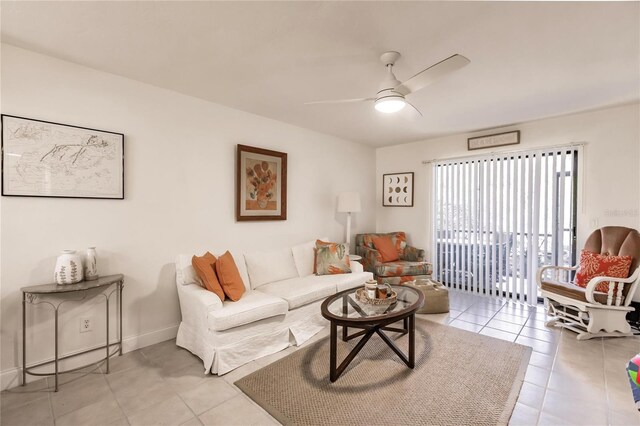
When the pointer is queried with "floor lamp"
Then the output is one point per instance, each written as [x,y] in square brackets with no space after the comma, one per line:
[349,202]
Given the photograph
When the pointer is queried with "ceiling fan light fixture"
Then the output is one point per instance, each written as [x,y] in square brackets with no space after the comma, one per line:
[390,104]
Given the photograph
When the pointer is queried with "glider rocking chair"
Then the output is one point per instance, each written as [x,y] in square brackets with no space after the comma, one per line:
[588,312]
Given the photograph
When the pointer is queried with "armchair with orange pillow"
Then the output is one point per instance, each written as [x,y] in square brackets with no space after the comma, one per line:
[390,258]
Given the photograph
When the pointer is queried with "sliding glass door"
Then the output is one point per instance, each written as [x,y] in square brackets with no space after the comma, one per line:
[497,218]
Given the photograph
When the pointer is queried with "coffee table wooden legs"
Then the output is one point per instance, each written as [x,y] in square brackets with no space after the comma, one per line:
[368,331]
[412,341]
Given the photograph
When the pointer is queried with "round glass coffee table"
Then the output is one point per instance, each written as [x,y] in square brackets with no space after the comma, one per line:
[343,309]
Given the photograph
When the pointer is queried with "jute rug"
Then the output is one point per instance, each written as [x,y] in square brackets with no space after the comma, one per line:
[460,378]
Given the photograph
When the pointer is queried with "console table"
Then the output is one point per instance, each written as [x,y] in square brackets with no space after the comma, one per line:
[36,294]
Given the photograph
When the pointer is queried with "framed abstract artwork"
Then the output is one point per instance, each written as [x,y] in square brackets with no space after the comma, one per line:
[261,184]
[45,159]
[397,190]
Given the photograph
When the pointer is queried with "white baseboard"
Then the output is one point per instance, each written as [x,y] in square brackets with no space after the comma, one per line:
[11,377]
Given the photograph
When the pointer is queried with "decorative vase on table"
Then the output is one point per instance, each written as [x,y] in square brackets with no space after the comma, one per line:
[90,265]
[68,268]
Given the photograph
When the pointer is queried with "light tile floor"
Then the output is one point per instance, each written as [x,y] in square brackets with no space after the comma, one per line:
[567,382]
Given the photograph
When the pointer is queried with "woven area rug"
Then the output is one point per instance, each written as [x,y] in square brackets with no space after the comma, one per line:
[460,378]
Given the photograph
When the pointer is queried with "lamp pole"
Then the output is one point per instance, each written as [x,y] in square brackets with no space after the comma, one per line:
[348,238]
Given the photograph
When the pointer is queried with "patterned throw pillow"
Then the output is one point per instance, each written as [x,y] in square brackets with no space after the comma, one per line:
[332,258]
[601,265]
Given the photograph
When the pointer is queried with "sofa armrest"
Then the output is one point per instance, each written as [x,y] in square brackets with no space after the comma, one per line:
[370,257]
[196,303]
[356,267]
[414,254]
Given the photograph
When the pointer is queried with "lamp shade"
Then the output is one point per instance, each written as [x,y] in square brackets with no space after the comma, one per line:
[349,202]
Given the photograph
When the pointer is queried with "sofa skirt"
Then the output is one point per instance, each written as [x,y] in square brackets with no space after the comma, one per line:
[224,351]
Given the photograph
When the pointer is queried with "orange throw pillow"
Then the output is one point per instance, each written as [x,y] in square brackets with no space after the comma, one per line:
[387,249]
[229,276]
[601,265]
[205,267]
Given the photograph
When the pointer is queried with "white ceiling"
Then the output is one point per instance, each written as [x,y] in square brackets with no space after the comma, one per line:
[528,60]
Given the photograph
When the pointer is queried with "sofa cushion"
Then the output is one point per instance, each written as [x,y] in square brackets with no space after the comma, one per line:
[185,274]
[270,266]
[386,248]
[399,240]
[304,257]
[205,267]
[345,281]
[229,276]
[252,306]
[601,265]
[402,267]
[300,291]
[572,291]
[238,258]
[331,258]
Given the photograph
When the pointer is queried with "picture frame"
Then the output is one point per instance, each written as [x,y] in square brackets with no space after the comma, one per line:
[261,184]
[55,160]
[491,141]
[397,189]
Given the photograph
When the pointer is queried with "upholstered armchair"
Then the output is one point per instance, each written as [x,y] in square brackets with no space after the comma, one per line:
[589,312]
[410,266]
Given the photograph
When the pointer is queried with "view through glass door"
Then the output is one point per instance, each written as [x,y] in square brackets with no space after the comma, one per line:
[498,218]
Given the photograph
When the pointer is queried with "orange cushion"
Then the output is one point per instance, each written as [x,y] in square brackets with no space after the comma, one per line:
[601,265]
[388,250]
[205,267]
[229,277]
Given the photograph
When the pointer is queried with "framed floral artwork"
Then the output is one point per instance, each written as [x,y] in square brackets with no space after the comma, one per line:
[261,184]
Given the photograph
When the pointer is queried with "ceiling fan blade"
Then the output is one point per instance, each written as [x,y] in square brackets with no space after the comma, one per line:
[340,101]
[431,74]
[414,107]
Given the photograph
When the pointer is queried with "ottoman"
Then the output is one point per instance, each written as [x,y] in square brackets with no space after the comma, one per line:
[436,296]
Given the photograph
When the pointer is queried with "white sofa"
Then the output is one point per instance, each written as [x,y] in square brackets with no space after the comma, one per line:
[281,306]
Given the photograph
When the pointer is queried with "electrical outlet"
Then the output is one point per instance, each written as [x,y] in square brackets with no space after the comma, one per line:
[86,324]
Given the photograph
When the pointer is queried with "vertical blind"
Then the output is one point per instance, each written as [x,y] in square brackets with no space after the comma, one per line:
[500,216]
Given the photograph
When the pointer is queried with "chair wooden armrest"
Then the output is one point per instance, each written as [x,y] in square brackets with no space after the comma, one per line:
[615,289]
[557,269]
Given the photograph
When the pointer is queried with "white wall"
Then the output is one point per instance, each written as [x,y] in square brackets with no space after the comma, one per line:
[609,171]
[179,186]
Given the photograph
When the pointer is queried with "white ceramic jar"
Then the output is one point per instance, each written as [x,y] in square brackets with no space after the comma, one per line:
[68,268]
[90,265]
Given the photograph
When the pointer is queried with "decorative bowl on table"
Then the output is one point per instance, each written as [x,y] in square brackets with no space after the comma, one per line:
[361,296]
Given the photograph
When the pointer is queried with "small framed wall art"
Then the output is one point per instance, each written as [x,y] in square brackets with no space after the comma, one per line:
[261,184]
[45,159]
[490,141]
[397,190]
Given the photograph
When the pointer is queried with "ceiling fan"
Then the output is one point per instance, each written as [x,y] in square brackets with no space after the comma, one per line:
[391,96]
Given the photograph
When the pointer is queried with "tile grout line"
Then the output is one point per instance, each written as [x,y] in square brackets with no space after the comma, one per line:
[114,395]
[606,385]
[546,388]
[53,417]
[174,390]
